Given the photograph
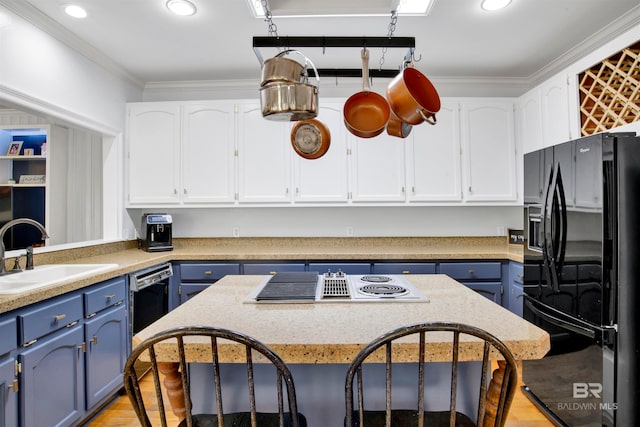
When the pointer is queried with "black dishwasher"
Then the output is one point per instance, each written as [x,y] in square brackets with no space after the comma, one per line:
[149,295]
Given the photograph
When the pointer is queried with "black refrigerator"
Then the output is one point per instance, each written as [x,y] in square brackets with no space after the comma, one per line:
[582,279]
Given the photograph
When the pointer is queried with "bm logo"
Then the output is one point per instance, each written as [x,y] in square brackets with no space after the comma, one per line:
[585,390]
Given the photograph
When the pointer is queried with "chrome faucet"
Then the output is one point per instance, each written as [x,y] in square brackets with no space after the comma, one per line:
[10,224]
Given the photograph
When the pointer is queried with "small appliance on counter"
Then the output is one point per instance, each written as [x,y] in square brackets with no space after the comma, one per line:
[155,232]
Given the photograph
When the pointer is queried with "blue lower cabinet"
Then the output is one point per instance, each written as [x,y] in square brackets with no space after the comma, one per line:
[491,290]
[272,268]
[106,338]
[190,290]
[404,268]
[516,288]
[8,393]
[345,267]
[52,380]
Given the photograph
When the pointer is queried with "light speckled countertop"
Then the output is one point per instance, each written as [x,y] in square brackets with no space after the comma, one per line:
[129,258]
[334,332]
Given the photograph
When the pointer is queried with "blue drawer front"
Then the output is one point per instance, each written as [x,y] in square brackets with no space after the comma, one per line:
[404,268]
[348,268]
[516,272]
[471,270]
[272,268]
[104,296]
[207,272]
[8,335]
[49,317]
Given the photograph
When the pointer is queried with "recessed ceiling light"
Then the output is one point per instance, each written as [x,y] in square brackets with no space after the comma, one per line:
[181,7]
[414,6]
[75,11]
[491,5]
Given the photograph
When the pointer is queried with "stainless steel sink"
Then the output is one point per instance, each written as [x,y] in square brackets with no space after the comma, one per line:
[45,275]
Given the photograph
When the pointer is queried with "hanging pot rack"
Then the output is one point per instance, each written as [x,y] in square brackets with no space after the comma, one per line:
[288,42]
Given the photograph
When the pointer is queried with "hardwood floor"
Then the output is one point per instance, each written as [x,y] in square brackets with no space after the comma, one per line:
[120,413]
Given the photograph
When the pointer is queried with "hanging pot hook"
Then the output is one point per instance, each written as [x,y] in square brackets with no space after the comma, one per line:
[413,57]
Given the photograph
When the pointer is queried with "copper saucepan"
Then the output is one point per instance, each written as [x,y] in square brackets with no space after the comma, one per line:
[310,138]
[413,98]
[366,113]
[397,127]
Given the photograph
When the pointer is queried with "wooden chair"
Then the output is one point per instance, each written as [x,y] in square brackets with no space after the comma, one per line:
[176,393]
[493,402]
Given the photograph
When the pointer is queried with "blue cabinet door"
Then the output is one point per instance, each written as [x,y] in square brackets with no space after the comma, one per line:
[8,394]
[52,382]
[190,290]
[491,290]
[106,346]
[516,289]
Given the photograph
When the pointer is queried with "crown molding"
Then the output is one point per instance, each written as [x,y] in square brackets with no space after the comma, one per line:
[38,19]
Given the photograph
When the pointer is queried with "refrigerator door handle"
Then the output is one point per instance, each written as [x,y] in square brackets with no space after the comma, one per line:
[562,244]
[550,317]
[550,235]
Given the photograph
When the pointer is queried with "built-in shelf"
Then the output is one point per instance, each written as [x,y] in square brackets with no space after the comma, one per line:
[24,157]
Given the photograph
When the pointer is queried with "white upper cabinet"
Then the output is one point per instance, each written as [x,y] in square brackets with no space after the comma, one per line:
[555,110]
[264,157]
[154,153]
[529,121]
[208,152]
[489,150]
[433,158]
[377,169]
[324,179]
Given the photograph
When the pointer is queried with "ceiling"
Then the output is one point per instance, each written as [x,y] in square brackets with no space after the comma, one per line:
[525,42]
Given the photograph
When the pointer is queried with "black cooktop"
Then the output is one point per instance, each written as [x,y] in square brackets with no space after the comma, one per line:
[290,286]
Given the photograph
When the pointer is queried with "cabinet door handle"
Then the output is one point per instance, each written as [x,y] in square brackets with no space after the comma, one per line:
[94,340]
[59,317]
[15,386]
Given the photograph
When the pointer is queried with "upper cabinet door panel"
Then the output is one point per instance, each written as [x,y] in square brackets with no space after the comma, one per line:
[154,152]
[325,179]
[489,150]
[555,110]
[264,157]
[433,158]
[208,153]
[530,121]
[377,169]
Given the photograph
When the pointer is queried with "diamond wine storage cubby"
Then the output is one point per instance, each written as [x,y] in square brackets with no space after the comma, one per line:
[610,92]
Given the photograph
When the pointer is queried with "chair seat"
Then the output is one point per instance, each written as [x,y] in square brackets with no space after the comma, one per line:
[409,418]
[243,419]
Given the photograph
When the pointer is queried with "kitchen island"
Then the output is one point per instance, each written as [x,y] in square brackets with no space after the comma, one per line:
[319,340]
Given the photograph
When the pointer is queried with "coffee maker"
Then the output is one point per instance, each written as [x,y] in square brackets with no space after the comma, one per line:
[155,233]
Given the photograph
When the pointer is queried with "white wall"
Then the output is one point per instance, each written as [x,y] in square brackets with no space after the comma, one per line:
[41,75]
[363,221]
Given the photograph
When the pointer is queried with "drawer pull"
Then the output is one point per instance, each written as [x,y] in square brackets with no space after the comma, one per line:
[207,273]
[472,272]
[59,317]
[110,297]
[406,272]
[520,276]
[272,273]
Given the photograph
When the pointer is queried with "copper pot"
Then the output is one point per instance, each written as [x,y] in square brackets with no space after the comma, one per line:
[413,98]
[310,138]
[397,127]
[366,113]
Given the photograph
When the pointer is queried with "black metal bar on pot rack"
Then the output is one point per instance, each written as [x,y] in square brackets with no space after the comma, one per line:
[408,43]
